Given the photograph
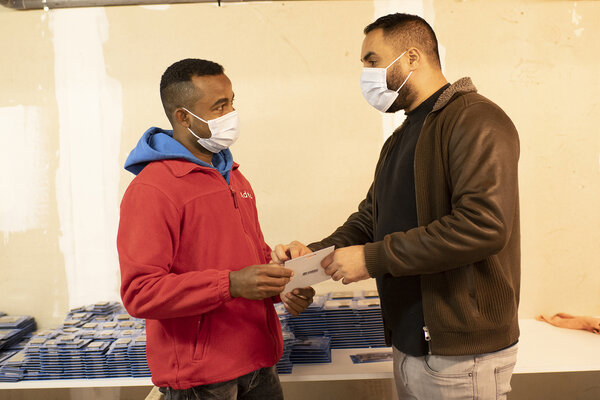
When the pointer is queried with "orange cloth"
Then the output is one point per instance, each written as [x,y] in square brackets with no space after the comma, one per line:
[563,320]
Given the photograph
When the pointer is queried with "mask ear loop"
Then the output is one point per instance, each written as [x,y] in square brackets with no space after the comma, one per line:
[392,63]
[206,122]
[409,74]
[189,129]
[192,132]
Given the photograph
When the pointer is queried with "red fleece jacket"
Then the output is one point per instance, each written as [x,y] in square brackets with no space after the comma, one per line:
[182,230]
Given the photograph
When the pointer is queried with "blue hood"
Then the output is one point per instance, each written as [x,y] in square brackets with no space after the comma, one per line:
[158,144]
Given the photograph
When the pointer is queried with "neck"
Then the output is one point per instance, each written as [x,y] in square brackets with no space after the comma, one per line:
[192,145]
[204,155]
[429,85]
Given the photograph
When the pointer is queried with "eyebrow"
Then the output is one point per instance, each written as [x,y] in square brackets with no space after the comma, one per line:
[367,56]
[222,100]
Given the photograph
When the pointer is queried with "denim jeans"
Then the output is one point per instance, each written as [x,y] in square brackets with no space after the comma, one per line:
[477,377]
[258,385]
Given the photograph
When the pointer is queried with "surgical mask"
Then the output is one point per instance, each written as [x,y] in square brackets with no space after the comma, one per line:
[373,84]
[225,130]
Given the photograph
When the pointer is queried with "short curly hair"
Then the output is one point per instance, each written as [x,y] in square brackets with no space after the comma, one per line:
[176,87]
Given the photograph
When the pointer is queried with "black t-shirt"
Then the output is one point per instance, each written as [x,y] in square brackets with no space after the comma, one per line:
[401,301]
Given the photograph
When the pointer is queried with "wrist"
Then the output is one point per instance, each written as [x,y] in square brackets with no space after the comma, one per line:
[372,257]
[232,285]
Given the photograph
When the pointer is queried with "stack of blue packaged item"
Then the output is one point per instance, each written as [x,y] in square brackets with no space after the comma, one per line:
[311,322]
[342,324]
[137,357]
[311,350]
[370,322]
[62,357]
[33,360]
[15,332]
[354,321]
[11,366]
[12,361]
[13,328]
[94,356]
[349,320]
[97,341]
[285,366]
[117,358]
[103,341]
[99,312]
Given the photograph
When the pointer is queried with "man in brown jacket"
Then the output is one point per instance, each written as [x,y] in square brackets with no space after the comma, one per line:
[439,227]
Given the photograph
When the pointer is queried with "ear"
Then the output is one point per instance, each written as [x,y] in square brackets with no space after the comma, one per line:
[181,117]
[414,57]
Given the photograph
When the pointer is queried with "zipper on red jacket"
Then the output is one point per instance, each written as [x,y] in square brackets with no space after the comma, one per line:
[427,339]
[235,201]
[248,236]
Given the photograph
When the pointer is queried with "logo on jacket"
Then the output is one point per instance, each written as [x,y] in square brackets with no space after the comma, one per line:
[246,195]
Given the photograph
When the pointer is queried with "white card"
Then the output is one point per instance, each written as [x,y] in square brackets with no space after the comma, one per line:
[307,269]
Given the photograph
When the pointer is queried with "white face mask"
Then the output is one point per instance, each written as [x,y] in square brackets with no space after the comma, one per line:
[225,130]
[373,84]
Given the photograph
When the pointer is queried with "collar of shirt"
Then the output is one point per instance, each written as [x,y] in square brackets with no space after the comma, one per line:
[180,167]
[419,113]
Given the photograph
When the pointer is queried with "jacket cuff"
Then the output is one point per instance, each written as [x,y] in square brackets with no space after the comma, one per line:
[223,285]
[316,246]
[375,258]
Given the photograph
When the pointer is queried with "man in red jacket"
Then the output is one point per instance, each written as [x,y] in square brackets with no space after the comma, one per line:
[193,259]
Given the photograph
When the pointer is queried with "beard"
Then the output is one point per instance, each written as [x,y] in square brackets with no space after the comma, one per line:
[406,95]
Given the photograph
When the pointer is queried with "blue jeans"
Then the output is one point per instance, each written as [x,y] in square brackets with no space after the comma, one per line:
[257,385]
[480,377]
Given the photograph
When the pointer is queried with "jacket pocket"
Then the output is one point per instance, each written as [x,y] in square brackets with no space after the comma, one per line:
[202,336]
[470,271]
[273,330]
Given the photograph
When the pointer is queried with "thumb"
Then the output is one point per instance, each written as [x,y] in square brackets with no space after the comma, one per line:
[327,260]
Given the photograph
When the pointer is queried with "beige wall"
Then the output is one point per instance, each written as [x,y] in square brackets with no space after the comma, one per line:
[540,61]
[309,141]
[294,78]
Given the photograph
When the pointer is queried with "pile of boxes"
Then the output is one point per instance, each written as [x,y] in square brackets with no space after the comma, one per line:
[103,341]
[351,320]
[15,332]
[338,320]
[97,341]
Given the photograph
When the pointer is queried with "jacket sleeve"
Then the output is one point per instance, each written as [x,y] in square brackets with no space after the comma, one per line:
[147,242]
[483,153]
[358,228]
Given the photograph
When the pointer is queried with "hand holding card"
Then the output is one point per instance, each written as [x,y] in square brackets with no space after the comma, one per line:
[307,270]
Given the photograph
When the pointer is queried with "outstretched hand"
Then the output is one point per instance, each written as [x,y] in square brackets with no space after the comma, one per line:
[258,282]
[346,264]
[284,252]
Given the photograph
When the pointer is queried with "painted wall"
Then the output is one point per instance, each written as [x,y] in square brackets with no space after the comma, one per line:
[78,98]
[540,61]
[79,87]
